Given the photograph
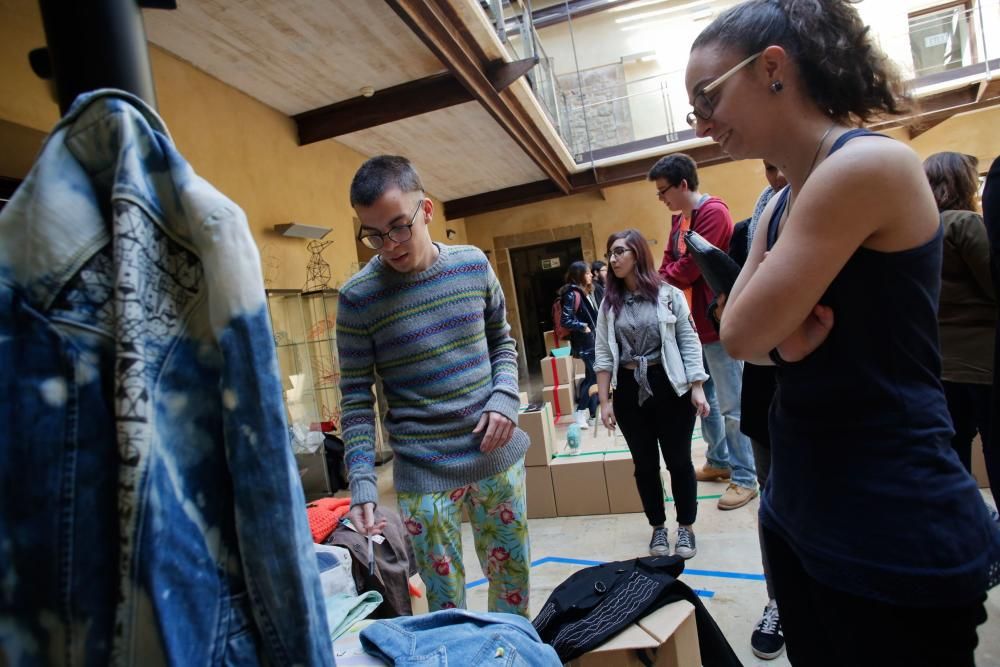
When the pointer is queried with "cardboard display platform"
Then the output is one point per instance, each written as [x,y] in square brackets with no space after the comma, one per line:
[666,638]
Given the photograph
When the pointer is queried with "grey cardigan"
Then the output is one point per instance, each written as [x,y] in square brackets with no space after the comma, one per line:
[680,349]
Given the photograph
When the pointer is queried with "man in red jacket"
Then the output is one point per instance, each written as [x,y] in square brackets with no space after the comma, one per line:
[730,454]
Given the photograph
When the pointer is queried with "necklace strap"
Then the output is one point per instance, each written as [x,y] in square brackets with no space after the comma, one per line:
[819,147]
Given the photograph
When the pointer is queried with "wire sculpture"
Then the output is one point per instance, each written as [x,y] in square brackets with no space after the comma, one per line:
[322,328]
[270,265]
[325,372]
[317,270]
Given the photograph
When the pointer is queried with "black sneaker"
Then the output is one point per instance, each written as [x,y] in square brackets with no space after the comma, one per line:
[685,547]
[767,642]
[658,546]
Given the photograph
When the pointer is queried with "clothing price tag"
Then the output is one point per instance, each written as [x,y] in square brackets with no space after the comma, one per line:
[346,523]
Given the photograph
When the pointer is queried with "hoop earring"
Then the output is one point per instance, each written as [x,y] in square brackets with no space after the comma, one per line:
[777,87]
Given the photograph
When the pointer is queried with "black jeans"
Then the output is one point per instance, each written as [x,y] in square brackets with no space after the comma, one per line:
[970,405]
[669,419]
[762,461]
[826,627]
[584,400]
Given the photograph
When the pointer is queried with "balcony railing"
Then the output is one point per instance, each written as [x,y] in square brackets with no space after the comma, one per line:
[635,104]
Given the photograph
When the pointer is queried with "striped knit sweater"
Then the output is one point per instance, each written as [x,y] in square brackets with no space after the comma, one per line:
[441,343]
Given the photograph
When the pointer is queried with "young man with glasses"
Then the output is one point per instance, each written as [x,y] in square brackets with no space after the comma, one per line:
[730,454]
[431,320]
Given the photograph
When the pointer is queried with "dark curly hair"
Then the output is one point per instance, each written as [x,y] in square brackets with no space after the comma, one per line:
[845,73]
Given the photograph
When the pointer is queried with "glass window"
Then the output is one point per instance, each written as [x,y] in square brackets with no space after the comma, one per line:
[941,38]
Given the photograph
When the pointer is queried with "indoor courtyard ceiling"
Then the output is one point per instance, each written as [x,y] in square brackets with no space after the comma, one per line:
[428,79]
[301,57]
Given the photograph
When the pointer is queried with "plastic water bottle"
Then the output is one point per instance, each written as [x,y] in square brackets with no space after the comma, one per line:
[573,438]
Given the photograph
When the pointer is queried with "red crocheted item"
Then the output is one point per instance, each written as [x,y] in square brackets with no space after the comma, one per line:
[324,515]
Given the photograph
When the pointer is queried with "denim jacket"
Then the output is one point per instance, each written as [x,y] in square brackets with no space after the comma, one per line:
[150,509]
[680,349]
[458,637]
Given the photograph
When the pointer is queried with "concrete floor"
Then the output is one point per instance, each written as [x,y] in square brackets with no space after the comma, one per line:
[727,545]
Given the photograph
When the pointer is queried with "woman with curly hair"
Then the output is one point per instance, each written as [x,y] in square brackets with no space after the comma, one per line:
[881,550]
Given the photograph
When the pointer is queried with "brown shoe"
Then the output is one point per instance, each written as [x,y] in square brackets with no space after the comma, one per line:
[736,496]
[710,473]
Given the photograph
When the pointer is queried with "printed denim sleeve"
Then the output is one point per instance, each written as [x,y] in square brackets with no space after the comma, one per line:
[357,361]
[133,294]
[503,352]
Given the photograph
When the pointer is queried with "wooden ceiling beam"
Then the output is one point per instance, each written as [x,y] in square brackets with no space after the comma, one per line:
[441,30]
[385,106]
[933,110]
[497,200]
[918,128]
[929,112]
[595,180]
[431,93]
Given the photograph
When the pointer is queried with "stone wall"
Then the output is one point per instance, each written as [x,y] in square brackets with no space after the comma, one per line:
[608,117]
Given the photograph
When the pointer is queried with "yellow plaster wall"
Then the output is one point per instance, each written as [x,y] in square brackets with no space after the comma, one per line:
[974,133]
[630,205]
[246,149]
[738,183]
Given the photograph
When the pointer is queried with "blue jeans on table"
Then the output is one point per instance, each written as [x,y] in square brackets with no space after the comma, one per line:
[727,376]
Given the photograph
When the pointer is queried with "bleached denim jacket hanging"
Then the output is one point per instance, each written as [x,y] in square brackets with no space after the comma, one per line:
[150,509]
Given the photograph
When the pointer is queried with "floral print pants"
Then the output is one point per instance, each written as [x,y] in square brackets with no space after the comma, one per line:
[499,518]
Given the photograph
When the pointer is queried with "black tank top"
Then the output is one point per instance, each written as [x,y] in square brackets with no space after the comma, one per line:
[864,483]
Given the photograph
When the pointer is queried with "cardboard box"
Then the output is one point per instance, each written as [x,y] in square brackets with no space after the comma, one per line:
[557,370]
[551,342]
[668,637]
[619,475]
[312,470]
[523,396]
[418,602]
[979,464]
[562,398]
[538,425]
[541,498]
[578,482]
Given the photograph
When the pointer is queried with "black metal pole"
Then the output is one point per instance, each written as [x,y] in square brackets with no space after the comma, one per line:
[97,44]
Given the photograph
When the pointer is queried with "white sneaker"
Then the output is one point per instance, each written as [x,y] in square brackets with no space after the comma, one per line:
[583,418]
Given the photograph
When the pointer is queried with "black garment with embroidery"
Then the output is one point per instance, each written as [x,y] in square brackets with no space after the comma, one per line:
[599,602]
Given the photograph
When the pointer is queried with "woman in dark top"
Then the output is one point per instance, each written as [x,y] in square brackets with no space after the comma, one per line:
[881,550]
[968,312]
[600,271]
[991,216]
[579,315]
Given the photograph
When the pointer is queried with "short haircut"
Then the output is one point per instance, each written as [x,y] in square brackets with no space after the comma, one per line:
[379,175]
[674,169]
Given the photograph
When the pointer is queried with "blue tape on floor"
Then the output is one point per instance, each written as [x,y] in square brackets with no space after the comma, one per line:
[725,575]
[590,563]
